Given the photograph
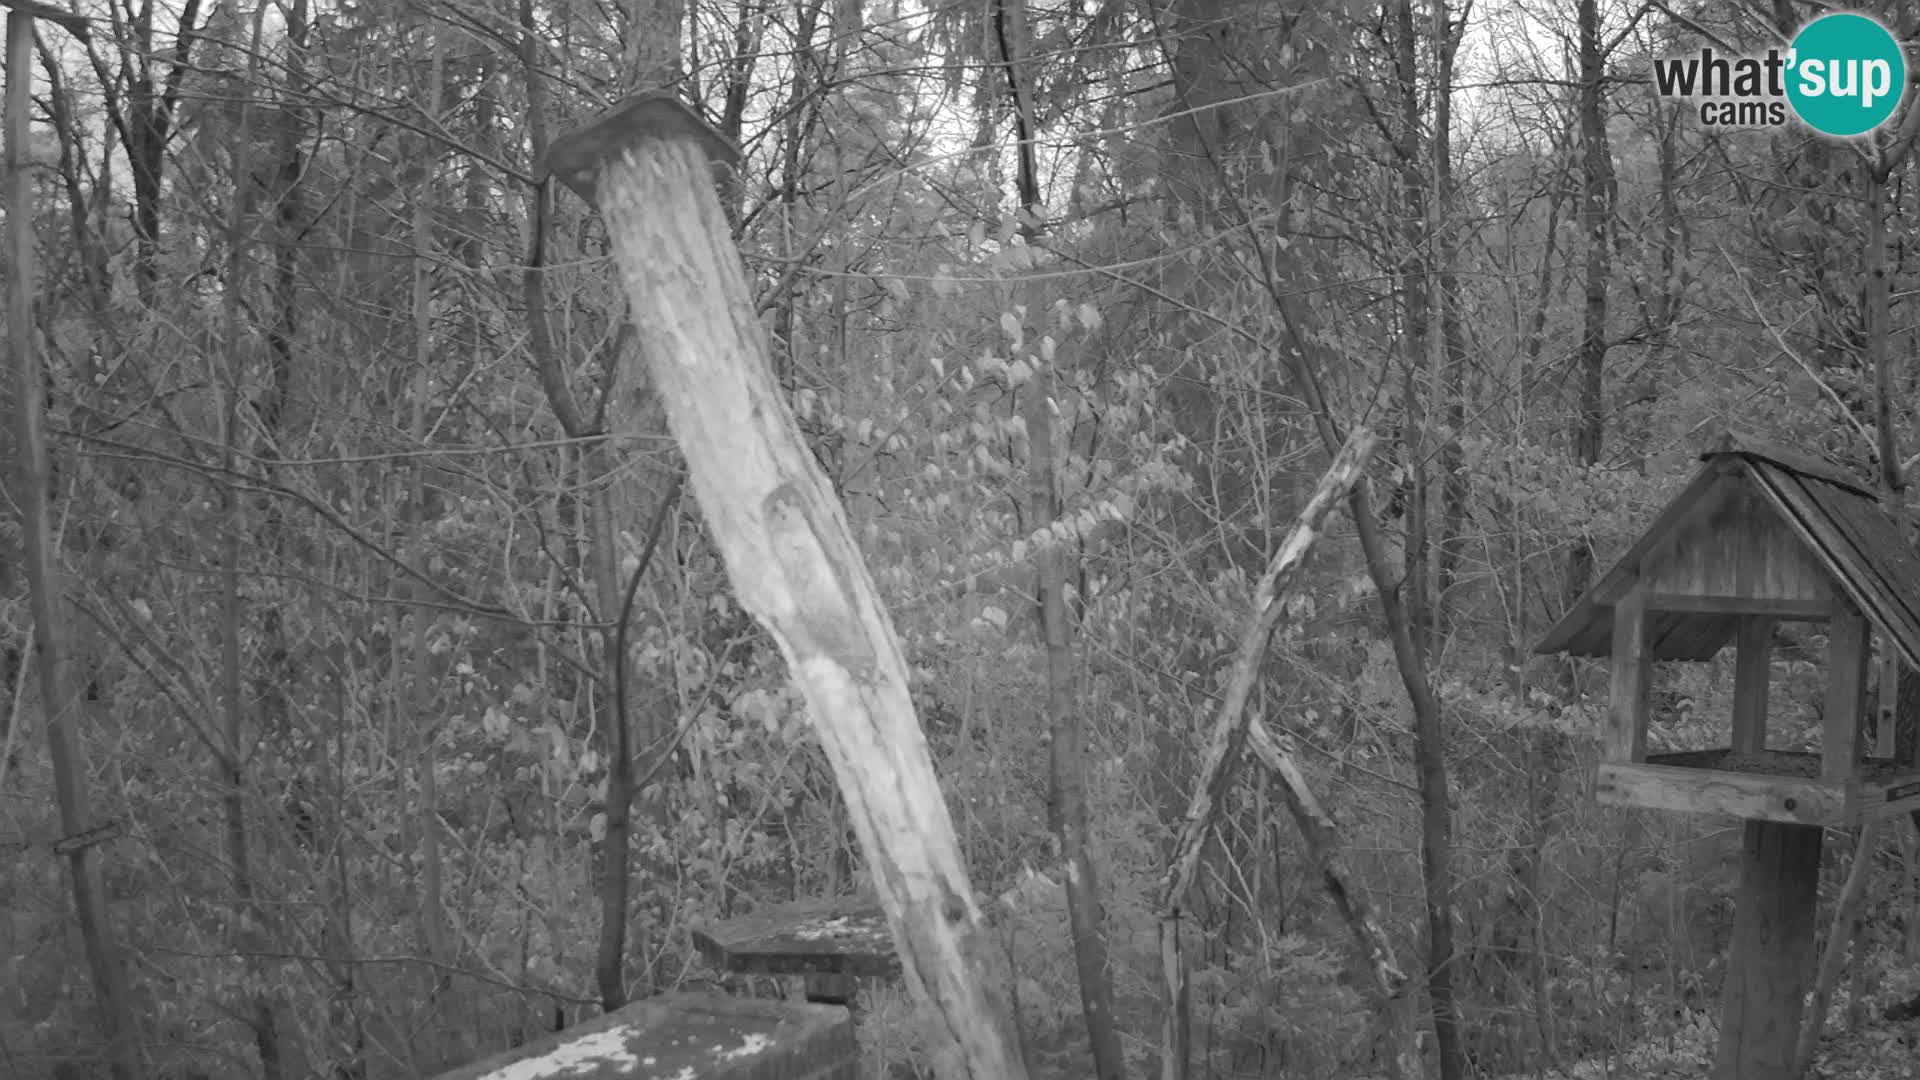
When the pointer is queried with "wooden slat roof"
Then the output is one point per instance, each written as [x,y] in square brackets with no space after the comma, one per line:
[1839,518]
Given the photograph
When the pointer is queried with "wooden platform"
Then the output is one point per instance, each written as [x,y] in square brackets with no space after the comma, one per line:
[1768,785]
[802,940]
[675,1036]
[829,944]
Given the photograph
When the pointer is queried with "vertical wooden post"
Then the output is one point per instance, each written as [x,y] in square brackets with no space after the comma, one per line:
[1841,713]
[1770,963]
[791,556]
[1752,670]
[58,702]
[1884,740]
[1625,738]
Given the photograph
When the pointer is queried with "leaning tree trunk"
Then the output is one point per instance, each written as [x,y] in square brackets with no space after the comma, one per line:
[59,704]
[1229,736]
[788,548]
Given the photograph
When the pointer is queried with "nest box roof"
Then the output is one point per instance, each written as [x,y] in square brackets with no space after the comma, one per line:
[1828,520]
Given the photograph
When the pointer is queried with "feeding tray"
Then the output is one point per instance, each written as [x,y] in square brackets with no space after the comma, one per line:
[685,1035]
[802,940]
[1764,785]
[828,944]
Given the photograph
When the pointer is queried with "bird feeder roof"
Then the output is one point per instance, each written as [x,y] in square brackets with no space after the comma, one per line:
[1815,506]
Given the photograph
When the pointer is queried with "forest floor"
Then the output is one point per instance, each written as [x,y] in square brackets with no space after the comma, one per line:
[1880,1050]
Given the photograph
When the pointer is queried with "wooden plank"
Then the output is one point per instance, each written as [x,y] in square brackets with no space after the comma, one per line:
[1752,674]
[1737,546]
[1711,791]
[1770,962]
[1691,635]
[1846,697]
[1677,536]
[680,1035]
[1584,630]
[1625,737]
[1886,677]
[1785,457]
[1897,800]
[1800,609]
[1906,720]
[808,939]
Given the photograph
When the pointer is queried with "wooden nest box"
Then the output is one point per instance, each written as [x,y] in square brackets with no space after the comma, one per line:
[1761,536]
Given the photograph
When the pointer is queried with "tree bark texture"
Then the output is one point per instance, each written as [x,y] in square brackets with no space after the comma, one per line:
[1066,752]
[789,551]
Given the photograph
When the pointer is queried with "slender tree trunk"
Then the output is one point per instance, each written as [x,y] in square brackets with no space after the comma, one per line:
[246,930]
[1066,751]
[1450,335]
[142,113]
[622,487]
[1414,272]
[246,927]
[1415,590]
[343,1014]
[1866,841]
[1303,357]
[60,704]
[1596,217]
[421,667]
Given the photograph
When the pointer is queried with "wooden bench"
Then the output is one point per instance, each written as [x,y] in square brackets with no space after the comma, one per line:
[711,1036]
[830,945]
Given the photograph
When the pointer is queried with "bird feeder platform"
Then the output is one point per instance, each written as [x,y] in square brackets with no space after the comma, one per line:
[682,1035]
[831,946]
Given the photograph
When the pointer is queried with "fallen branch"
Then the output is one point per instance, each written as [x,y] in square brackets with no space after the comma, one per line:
[1838,934]
[1229,733]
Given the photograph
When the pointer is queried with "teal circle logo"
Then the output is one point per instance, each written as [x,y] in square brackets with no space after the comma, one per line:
[1846,74]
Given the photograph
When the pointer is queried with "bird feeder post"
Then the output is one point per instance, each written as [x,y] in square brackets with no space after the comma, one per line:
[647,165]
[1752,679]
[1761,537]
[1845,703]
[1625,738]
[1770,958]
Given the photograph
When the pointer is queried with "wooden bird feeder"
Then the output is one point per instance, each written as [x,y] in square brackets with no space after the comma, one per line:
[829,945]
[1762,536]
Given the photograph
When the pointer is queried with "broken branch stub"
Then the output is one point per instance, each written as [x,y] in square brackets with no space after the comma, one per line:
[787,546]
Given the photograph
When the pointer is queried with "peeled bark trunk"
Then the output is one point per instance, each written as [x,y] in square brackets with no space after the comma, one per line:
[1229,735]
[789,550]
